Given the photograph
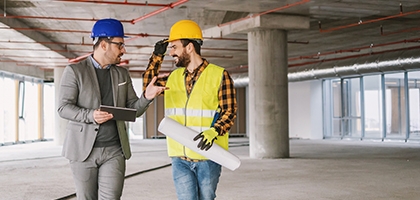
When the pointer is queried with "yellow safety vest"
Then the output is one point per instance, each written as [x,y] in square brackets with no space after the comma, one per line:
[195,111]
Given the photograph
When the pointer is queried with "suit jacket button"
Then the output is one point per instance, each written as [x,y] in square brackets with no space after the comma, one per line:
[96,129]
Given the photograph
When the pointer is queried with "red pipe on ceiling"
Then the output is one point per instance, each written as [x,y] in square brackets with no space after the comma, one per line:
[76,31]
[354,56]
[366,22]
[56,18]
[399,31]
[316,56]
[116,3]
[171,5]
[133,21]
[45,30]
[123,62]
[75,60]
[165,7]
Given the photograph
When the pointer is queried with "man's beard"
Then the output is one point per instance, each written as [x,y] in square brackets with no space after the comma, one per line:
[183,60]
[113,60]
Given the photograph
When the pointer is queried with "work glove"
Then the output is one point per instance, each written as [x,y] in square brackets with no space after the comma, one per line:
[207,138]
[160,47]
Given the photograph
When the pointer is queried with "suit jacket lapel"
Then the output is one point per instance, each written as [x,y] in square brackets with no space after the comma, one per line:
[114,79]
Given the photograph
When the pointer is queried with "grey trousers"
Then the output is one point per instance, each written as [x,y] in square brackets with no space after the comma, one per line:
[100,175]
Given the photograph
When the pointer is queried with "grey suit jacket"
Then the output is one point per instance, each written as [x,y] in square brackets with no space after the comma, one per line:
[80,96]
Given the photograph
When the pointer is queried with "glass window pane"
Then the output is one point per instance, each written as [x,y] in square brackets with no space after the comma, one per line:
[414,104]
[395,106]
[373,106]
[336,94]
[29,123]
[346,108]
[49,110]
[336,108]
[2,97]
[352,126]
[21,97]
[336,128]
[10,113]
[327,108]
[354,97]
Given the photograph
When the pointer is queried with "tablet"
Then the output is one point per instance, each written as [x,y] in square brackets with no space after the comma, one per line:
[119,113]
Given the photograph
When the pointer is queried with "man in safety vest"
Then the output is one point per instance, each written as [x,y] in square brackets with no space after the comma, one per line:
[201,96]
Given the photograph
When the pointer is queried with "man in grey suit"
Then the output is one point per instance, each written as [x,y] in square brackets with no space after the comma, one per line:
[96,145]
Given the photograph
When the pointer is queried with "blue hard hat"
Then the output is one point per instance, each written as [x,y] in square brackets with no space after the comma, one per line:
[107,28]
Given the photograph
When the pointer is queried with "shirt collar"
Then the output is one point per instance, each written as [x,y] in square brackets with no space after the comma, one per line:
[199,68]
[96,64]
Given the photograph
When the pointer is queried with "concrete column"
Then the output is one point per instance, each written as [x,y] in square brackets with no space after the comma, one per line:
[268,93]
[267,72]
[60,123]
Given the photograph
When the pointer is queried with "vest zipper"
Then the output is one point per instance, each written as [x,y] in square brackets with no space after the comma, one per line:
[186,103]
[185,111]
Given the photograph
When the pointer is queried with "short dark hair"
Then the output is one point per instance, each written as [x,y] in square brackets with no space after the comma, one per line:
[196,44]
[100,39]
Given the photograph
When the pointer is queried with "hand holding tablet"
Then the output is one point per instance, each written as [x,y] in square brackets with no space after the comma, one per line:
[119,113]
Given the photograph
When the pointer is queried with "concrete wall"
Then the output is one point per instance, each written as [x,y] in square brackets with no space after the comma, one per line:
[305,110]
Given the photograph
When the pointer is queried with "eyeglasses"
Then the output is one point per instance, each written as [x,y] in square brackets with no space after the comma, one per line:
[120,44]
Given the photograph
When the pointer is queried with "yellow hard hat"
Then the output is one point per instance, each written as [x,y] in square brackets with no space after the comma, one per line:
[185,29]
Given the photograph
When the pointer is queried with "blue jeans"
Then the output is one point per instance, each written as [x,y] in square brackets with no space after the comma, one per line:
[195,180]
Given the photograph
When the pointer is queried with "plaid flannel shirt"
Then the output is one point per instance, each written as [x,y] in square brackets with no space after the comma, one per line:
[227,94]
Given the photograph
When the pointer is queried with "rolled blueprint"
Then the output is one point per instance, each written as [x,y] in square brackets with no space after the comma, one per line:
[185,135]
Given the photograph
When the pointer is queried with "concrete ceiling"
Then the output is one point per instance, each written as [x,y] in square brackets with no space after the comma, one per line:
[37,36]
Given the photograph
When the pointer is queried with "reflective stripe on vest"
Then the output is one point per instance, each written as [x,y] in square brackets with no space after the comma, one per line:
[196,110]
[189,112]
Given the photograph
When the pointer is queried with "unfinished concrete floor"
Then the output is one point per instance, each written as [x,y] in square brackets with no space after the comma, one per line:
[317,169]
